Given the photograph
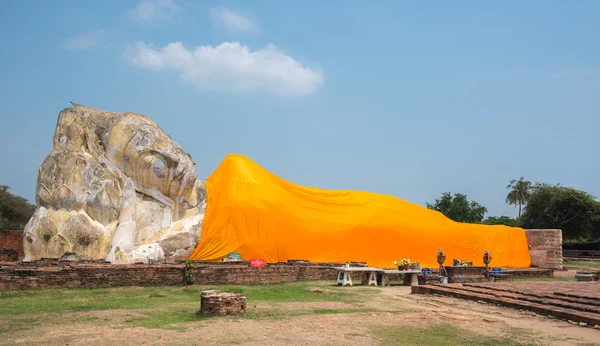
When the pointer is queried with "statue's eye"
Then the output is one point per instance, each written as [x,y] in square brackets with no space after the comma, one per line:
[159,167]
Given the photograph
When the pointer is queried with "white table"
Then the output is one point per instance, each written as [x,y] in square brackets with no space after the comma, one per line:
[344,277]
[385,280]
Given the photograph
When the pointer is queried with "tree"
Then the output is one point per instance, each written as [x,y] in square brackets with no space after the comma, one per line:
[575,212]
[459,208]
[501,220]
[519,193]
[15,211]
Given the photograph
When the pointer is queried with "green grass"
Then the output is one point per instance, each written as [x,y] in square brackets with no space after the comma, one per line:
[31,302]
[587,264]
[299,292]
[442,335]
[545,279]
[168,307]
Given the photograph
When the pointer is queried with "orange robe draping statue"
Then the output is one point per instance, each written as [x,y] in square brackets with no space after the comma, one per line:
[259,215]
[117,187]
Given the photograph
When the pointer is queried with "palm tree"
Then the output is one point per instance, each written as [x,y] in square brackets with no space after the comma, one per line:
[520,190]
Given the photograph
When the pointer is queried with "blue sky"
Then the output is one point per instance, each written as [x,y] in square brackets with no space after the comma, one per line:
[407,98]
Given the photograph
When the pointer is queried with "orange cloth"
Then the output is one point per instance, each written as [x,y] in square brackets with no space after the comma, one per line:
[259,215]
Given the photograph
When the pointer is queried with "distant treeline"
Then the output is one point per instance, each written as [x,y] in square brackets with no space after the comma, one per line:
[540,205]
[15,211]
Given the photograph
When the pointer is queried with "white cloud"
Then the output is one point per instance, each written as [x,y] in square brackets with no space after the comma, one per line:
[148,11]
[231,66]
[86,40]
[232,20]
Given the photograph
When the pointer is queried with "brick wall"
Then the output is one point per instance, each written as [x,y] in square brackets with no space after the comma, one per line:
[271,274]
[51,273]
[64,275]
[11,240]
[545,247]
[45,274]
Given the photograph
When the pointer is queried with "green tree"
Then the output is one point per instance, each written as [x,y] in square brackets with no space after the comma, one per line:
[459,208]
[575,212]
[596,224]
[15,211]
[520,190]
[501,220]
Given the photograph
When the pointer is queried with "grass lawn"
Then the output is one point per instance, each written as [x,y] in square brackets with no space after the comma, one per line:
[554,278]
[177,304]
[586,264]
[443,335]
[57,316]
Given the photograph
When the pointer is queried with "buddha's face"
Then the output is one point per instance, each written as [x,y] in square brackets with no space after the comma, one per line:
[146,154]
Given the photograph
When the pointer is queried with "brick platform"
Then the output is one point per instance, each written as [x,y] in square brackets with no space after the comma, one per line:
[575,301]
[52,273]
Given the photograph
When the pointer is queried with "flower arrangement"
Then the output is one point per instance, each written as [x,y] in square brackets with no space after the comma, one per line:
[405,263]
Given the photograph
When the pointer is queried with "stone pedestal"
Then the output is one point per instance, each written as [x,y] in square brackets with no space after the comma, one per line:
[215,303]
[460,274]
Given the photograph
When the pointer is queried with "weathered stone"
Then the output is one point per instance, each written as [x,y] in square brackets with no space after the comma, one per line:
[115,186]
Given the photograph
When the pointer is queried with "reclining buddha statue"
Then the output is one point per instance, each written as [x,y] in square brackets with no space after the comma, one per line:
[116,187]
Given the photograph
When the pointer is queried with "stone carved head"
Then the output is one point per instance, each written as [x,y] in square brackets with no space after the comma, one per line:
[115,186]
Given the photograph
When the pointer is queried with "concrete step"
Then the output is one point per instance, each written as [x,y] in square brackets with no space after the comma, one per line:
[572,313]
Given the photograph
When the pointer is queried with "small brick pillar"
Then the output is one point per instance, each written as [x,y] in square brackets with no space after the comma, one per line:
[215,303]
